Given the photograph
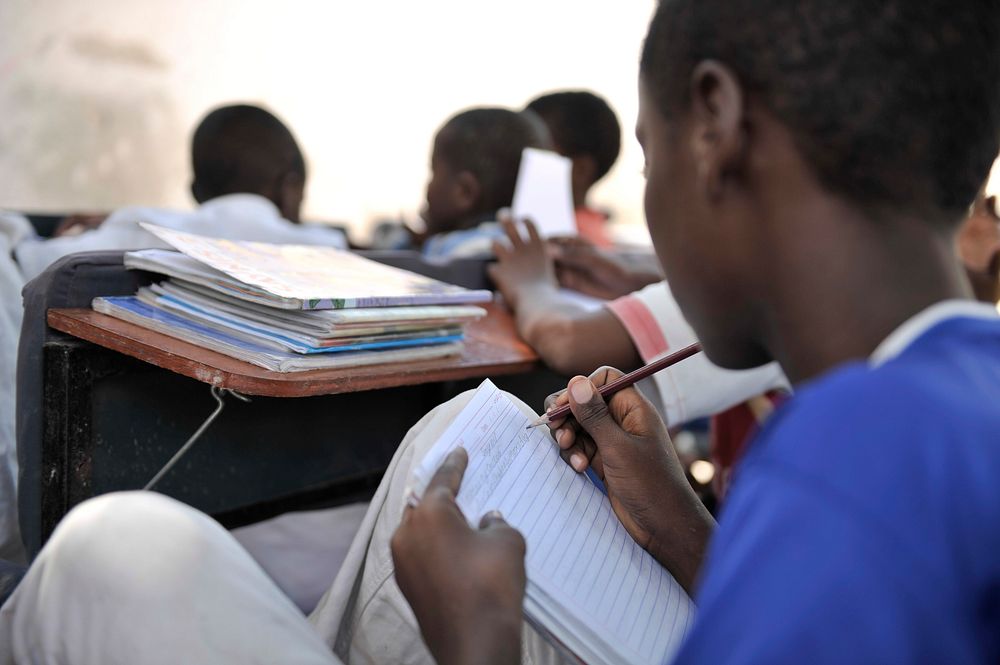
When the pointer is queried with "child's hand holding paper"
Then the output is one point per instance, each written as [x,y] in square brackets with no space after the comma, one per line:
[466,586]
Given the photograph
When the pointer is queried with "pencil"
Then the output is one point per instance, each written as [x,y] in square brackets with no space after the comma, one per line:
[625,381]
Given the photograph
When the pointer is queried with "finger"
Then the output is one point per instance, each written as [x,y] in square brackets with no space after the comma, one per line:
[605,375]
[555,399]
[449,474]
[534,238]
[575,260]
[513,235]
[491,518]
[494,525]
[567,278]
[553,402]
[500,250]
[591,411]
[576,448]
[576,457]
[565,436]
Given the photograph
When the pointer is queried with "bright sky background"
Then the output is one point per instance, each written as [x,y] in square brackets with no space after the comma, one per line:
[99,97]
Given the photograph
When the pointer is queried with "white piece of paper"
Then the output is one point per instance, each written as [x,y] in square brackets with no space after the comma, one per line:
[544,193]
[589,584]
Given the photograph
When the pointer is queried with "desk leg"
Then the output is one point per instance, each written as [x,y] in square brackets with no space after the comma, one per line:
[67,422]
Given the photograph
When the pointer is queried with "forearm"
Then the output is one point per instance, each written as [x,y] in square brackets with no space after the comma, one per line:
[570,338]
[680,541]
[643,269]
[486,640]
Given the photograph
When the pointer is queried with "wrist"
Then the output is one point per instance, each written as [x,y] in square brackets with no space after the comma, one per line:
[680,541]
[486,638]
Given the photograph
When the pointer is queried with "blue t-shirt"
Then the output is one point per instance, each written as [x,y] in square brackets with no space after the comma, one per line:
[863,525]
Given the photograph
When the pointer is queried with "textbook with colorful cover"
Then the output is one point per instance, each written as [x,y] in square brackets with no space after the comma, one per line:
[290,336]
[326,323]
[134,310]
[294,276]
[291,308]
[594,593]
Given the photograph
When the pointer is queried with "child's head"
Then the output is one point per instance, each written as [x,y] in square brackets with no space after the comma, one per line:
[758,118]
[585,129]
[244,149]
[474,165]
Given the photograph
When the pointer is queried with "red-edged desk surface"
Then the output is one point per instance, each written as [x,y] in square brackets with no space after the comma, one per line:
[492,348]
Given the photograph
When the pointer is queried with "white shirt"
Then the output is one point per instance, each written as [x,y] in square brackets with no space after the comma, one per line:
[233,217]
[696,387]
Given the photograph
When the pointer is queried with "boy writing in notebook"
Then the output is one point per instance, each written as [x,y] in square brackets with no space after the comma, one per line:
[805,153]
[792,160]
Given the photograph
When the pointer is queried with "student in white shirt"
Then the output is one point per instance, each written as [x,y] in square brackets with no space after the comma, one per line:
[249,179]
[249,176]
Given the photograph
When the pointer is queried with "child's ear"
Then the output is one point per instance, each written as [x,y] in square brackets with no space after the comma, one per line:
[196,193]
[468,191]
[291,191]
[719,136]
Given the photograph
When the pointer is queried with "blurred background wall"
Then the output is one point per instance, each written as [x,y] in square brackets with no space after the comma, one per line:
[98,98]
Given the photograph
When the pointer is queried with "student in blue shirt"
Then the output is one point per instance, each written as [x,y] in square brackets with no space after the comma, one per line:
[808,164]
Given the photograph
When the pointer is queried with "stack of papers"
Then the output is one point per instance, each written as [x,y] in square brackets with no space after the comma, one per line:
[592,591]
[289,307]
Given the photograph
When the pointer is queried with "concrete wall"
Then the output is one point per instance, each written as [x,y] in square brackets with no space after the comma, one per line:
[98,97]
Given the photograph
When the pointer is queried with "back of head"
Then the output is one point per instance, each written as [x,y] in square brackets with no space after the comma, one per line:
[581,124]
[488,142]
[894,104]
[245,149]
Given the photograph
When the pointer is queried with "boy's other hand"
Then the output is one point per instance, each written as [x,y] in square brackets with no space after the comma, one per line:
[76,224]
[465,586]
[584,267]
[522,263]
[626,443]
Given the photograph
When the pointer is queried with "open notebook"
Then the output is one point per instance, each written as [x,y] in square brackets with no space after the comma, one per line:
[591,589]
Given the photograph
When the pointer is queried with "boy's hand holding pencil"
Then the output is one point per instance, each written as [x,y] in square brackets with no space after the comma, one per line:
[626,444]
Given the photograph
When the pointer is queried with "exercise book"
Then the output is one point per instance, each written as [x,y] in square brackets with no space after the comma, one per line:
[592,591]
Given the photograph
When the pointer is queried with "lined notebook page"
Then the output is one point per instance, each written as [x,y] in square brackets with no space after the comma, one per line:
[590,584]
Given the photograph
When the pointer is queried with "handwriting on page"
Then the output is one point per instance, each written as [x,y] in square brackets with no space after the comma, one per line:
[578,551]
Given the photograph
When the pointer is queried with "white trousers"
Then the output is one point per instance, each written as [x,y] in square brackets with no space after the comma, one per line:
[139,578]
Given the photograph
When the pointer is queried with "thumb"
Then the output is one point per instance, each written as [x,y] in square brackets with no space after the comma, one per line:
[591,411]
[492,519]
[495,527]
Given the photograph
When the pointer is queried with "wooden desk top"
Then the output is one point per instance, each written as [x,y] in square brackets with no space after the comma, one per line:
[492,347]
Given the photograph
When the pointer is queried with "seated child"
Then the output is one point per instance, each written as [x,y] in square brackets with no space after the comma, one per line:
[249,179]
[585,129]
[647,323]
[865,522]
[474,165]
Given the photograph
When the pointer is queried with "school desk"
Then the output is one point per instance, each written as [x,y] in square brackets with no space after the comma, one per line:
[119,400]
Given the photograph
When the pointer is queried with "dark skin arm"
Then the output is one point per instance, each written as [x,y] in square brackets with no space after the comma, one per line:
[560,330]
[597,272]
[465,586]
[624,440]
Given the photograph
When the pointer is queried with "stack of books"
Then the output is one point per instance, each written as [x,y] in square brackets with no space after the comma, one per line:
[288,308]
